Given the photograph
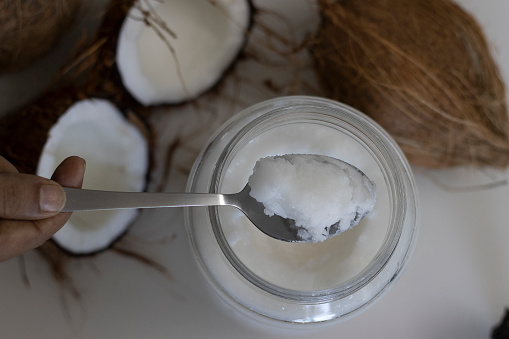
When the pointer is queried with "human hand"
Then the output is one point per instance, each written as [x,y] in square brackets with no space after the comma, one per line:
[30,205]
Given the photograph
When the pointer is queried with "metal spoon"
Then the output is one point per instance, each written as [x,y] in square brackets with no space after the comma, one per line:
[273,226]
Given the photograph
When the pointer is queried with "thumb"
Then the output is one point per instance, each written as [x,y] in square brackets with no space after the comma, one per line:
[29,197]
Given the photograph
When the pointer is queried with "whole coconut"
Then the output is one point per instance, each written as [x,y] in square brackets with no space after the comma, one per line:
[423,70]
[31,28]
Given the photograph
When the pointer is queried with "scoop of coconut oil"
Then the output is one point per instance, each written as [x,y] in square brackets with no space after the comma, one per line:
[318,193]
[305,266]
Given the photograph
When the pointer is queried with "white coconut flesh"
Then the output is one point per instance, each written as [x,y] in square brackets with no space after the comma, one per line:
[116,153]
[209,36]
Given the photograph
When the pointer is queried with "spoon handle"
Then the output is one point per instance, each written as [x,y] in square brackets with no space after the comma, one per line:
[91,200]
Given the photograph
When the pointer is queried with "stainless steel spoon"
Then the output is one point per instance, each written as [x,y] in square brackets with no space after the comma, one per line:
[273,226]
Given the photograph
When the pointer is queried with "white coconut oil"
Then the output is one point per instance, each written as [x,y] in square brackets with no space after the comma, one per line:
[305,266]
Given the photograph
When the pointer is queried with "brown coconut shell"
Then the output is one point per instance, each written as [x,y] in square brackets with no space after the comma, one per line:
[30,29]
[92,66]
[23,133]
[423,70]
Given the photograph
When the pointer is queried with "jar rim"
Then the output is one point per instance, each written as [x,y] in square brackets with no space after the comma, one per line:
[305,113]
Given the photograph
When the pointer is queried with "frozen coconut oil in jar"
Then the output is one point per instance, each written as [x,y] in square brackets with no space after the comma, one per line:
[302,283]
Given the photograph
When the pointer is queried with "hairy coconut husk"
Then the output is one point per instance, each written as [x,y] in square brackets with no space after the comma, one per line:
[93,64]
[23,133]
[423,70]
[104,79]
[30,29]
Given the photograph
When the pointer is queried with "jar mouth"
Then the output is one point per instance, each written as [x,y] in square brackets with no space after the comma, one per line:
[356,126]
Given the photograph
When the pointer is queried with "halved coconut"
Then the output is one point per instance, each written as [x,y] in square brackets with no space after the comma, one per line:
[116,146]
[117,159]
[171,51]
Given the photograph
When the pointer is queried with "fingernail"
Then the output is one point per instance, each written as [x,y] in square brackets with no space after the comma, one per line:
[51,198]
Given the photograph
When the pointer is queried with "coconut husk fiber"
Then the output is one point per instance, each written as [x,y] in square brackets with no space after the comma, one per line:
[29,29]
[423,70]
[93,64]
[24,132]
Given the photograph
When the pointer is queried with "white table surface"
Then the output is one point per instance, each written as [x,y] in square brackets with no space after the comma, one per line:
[455,286]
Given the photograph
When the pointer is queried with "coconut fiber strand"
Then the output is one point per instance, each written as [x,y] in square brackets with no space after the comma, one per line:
[423,70]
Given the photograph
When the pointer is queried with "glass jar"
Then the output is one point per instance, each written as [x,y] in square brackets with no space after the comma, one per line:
[289,283]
